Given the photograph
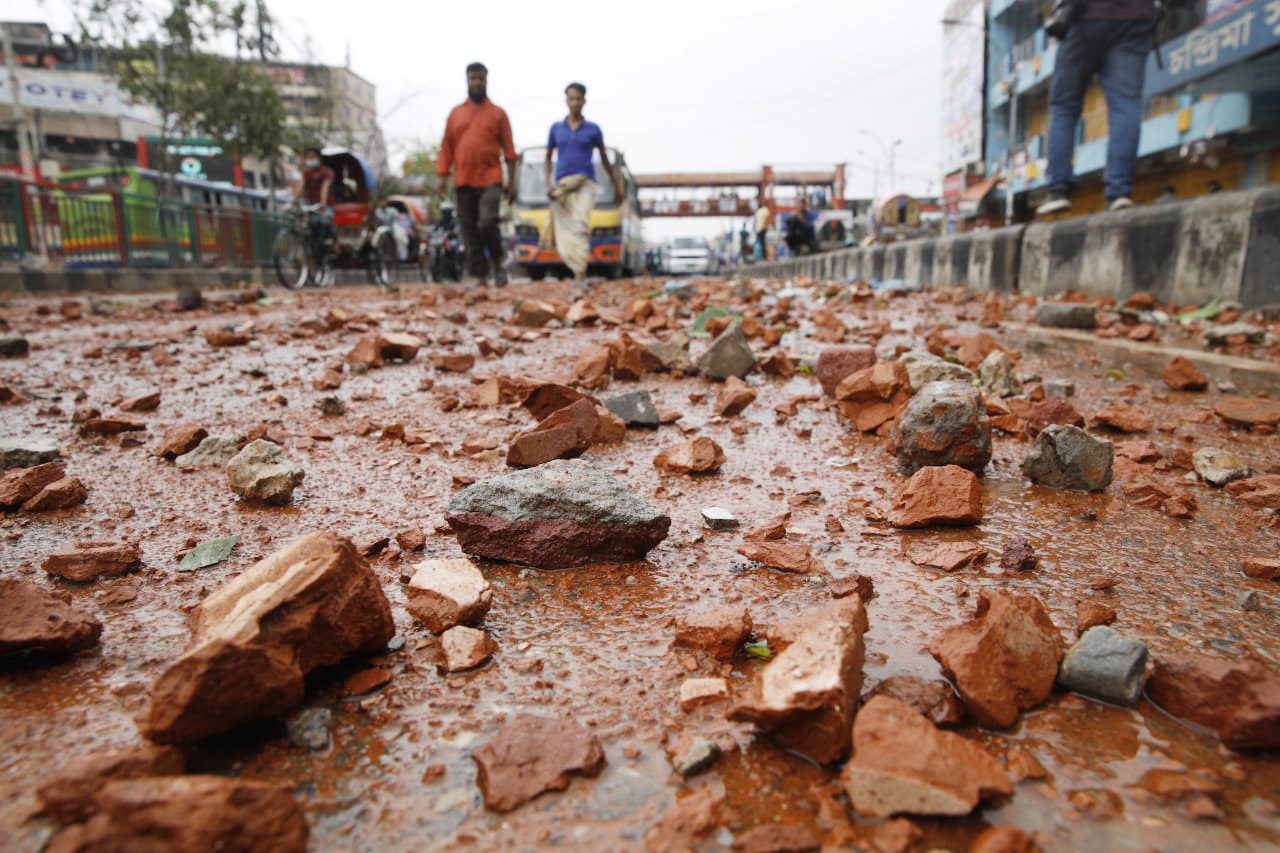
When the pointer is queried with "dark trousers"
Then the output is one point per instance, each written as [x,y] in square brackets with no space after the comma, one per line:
[1116,51]
[319,227]
[478,221]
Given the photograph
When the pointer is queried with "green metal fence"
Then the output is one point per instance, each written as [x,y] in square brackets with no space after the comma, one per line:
[13,237]
[105,228]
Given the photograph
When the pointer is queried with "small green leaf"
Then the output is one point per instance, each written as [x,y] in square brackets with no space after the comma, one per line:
[805,368]
[208,553]
[700,324]
[1204,312]
[1115,374]
[759,649]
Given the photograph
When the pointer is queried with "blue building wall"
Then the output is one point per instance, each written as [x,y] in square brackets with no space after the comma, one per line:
[1020,60]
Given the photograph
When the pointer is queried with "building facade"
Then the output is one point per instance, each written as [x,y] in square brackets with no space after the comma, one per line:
[335,104]
[81,118]
[964,61]
[1211,111]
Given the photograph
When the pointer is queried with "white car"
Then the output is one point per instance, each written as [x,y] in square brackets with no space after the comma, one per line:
[687,255]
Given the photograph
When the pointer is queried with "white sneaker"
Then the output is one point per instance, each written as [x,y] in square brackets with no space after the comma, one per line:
[1120,202]
[1056,203]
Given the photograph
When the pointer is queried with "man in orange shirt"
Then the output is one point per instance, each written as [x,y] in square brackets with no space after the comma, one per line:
[477,138]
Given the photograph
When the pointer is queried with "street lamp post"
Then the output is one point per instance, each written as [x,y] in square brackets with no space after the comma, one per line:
[1011,80]
[889,152]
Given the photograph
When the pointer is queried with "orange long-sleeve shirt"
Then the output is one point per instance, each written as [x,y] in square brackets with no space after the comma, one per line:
[477,138]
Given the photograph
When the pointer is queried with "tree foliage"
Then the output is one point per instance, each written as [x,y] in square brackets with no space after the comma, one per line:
[420,172]
[196,62]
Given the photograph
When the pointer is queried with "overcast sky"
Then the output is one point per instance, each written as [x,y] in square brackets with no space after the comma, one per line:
[677,85]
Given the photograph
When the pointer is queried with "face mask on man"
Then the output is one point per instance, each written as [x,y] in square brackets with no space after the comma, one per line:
[312,162]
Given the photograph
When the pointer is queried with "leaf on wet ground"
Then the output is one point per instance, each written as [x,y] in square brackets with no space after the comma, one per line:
[208,553]
[1203,313]
[700,324]
[759,649]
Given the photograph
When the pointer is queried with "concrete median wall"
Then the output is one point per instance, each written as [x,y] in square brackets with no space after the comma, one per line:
[1225,245]
[57,282]
[63,282]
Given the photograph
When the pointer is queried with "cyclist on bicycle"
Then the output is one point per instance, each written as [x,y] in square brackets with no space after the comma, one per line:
[316,192]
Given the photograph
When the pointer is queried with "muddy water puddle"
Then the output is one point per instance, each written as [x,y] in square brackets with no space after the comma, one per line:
[595,644]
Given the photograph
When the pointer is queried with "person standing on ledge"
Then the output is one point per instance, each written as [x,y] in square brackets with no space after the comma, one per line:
[1109,38]
[477,137]
[573,194]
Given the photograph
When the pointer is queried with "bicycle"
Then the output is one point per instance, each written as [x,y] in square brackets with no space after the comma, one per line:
[294,267]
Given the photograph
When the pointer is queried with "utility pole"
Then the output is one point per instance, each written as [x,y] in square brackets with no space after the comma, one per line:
[1013,135]
[893,165]
[22,125]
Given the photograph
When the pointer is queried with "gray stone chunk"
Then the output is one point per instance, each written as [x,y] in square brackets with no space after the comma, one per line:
[635,408]
[309,729]
[189,297]
[215,451]
[564,513]
[562,488]
[694,756]
[1219,334]
[925,367]
[260,472]
[1067,457]
[27,451]
[1059,388]
[1247,600]
[996,373]
[944,424]
[672,354]
[1105,664]
[1219,467]
[728,355]
[1066,315]
[13,347]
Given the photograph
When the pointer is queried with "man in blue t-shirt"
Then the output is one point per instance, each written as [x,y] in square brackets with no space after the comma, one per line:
[572,194]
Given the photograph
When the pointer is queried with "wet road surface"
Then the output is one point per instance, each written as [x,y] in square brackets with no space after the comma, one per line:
[595,644]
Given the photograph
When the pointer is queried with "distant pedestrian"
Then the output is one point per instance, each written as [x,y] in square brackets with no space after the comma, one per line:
[477,138]
[573,193]
[801,236]
[1109,38]
[763,215]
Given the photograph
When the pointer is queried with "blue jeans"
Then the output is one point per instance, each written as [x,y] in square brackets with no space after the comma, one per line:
[1117,52]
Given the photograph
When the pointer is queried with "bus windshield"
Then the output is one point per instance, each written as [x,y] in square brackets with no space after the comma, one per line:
[532,188]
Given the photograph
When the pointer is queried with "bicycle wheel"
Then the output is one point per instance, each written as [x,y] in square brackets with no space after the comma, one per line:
[289,257]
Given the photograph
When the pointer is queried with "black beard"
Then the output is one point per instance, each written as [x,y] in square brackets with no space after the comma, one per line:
[476,97]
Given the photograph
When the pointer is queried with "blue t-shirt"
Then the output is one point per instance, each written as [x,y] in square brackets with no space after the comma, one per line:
[575,147]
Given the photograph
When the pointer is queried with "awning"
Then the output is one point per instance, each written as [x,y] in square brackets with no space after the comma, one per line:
[971,199]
